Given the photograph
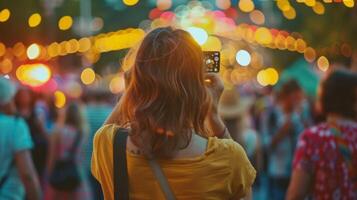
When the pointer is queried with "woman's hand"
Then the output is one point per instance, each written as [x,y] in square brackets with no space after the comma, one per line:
[215,87]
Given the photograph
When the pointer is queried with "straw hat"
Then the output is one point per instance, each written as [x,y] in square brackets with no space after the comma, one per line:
[7,90]
[232,105]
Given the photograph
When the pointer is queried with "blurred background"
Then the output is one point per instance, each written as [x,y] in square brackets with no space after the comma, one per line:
[59,51]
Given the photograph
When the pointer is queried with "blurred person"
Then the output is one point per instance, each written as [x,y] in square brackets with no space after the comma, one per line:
[25,103]
[165,105]
[65,144]
[281,129]
[97,110]
[326,156]
[235,111]
[18,176]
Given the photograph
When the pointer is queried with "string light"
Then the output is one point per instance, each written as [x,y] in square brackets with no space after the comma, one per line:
[33,75]
[349,3]
[257,17]
[60,99]
[246,5]
[33,51]
[322,63]
[65,23]
[130,2]
[34,20]
[87,76]
[5,15]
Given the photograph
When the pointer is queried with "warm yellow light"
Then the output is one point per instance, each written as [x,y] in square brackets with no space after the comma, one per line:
[65,23]
[84,44]
[33,51]
[300,45]
[212,44]
[34,20]
[223,4]
[88,76]
[328,1]
[246,5]
[4,15]
[349,3]
[261,78]
[33,74]
[290,14]
[130,2]
[163,4]
[257,17]
[310,3]
[263,36]
[117,85]
[283,5]
[323,64]
[290,43]
[6,66]
[53,49]
[60,99]
[319,8]
[199,34]
[2,49]
[310,54]
[272,76]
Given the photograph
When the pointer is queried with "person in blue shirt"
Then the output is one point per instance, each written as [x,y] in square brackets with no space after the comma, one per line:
[18,178]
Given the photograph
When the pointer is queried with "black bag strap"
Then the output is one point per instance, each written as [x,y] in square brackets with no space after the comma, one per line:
[120,170]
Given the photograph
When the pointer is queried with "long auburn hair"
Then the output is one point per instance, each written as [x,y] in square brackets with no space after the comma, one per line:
[165,98]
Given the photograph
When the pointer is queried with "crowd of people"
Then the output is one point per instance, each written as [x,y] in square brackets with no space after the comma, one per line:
[280,143]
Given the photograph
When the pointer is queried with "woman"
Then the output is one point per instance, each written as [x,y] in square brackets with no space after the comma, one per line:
[25,103]
[166,104]
[18,177]
[326,156]
[63,144]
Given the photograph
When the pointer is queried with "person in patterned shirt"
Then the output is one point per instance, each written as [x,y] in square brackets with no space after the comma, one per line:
[325,160]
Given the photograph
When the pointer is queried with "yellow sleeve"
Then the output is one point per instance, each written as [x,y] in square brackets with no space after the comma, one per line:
[243,172]
[102,159]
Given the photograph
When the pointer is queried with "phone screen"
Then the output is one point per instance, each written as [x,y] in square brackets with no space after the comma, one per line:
[211,60]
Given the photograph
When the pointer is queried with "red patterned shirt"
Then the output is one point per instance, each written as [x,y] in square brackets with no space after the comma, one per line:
[319,154]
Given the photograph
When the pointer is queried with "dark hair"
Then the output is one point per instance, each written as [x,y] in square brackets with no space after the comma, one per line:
[288,88]
[338,94]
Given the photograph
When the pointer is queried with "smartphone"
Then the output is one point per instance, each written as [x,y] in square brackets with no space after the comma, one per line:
[211,60]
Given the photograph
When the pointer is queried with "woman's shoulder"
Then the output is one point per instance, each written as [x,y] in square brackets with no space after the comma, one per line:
[105,133]
[227,147]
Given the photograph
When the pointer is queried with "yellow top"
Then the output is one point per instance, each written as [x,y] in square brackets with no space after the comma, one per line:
[222,172]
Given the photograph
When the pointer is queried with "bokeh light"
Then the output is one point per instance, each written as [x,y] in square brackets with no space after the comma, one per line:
[269,76]
[290,14]
[199,34]
[65,23]
[88,76]
[349,3]
[223,4]
[6,66]
[263,36]
[2,49]
[33,51]
[34,20]
[60,99]
[212,44]
[310,54]
[163,4]
[4,15]
[243,57]
[322,63]
[246,5]
[257,17]
[130,2]
[117,85]
[33,75]
[319,8]
[310,3]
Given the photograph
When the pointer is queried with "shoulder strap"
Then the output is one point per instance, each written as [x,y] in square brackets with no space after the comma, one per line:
[160,176]
[120,170]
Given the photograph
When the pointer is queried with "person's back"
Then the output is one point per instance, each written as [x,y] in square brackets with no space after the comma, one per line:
[223,171]
[14,137]
[170,107]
